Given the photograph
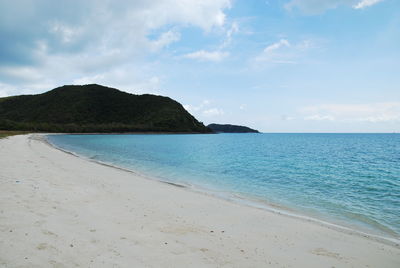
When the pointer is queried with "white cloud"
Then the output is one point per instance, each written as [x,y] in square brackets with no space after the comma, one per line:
[317,117]
[165,39]
[65,33]
[312,7]
[284,52]
[218,54]
[277,52]
[196,108]
[232,30]
[281,43]
[5,90]
[229,35]
[22,73]
[126,78]
[203,55]
[10,90]
[187,107]
[213,112]
[372,112]
[66,41]
[204,109]
[366,3]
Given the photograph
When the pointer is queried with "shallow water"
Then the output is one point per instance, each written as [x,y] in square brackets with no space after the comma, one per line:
[349,179]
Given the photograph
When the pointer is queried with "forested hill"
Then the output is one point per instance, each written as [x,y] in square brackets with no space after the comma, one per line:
[95,108]
[218,128]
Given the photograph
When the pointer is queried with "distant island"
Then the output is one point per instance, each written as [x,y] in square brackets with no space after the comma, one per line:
[218,128]
[95,108]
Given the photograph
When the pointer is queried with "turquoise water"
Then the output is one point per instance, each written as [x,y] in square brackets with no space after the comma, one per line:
[347,179]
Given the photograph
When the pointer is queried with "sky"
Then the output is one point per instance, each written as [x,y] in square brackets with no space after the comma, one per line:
[277,66]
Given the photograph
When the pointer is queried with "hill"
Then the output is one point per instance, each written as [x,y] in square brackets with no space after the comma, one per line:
[231,129]
[95,108]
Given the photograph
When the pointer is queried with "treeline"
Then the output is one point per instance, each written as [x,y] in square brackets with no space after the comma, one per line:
[89,128]
[95,108]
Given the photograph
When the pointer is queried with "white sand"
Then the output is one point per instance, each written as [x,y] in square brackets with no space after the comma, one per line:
[58,210]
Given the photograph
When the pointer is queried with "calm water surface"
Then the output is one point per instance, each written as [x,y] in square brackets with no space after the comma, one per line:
[349,179]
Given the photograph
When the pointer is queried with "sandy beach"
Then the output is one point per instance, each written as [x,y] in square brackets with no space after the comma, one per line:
[59,210]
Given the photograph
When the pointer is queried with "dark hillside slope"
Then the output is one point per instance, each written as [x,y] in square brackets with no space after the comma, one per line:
[95,108]
[219,128]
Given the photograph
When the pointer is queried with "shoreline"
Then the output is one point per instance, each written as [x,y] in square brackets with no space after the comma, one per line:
[243,200]
[61,210]
[108,133]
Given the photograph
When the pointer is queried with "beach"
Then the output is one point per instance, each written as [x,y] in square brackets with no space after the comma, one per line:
[60,210]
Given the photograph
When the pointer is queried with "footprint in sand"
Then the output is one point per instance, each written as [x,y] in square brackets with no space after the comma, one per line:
[324,252]
[42,246]
[47,232]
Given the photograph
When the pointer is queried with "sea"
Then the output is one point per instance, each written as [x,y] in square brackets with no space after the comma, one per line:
[349,180]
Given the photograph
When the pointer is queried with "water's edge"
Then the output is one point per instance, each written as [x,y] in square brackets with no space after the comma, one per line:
[237,199]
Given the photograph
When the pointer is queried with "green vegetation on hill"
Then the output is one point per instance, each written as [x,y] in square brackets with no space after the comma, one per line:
[231,129]
[95,108]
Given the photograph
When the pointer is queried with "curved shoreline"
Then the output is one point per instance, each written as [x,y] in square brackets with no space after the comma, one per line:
[241,200]
[57,209]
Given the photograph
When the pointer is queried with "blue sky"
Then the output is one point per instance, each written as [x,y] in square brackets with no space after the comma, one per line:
[278,66]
